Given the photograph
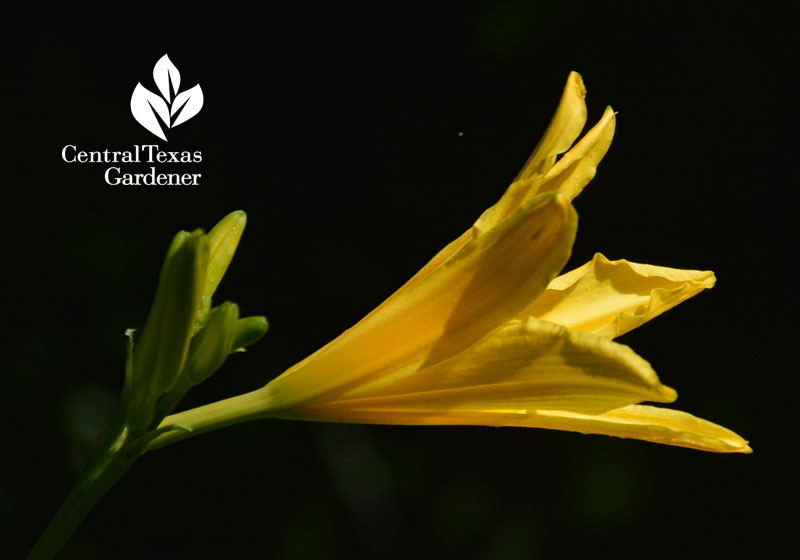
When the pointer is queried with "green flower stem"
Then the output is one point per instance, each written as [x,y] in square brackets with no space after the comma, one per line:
[212,416]
[118,449]
[124,443]
[128,438]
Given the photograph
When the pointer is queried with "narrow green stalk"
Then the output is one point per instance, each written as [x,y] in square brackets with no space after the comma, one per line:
[114,455]
[212,416]
[122,445]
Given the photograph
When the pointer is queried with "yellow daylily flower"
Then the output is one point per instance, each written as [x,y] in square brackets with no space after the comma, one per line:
[488,334]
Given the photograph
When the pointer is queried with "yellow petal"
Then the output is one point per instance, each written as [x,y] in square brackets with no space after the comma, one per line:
[579,165]
[482,286]
[441,257]
[649,423]
[562,131]
[524,365]
[610,298]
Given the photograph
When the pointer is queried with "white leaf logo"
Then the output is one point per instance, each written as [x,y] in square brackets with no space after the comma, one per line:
[187,104]
[169,109]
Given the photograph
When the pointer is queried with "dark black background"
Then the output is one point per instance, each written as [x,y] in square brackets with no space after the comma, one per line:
[338,133]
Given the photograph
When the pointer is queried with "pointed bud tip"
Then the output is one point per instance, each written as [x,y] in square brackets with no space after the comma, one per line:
[235,220]
[223,240]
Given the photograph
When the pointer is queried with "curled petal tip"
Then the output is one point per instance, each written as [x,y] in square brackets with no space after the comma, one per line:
[613,297]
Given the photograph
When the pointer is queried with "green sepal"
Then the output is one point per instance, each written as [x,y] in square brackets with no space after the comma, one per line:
[249,330]
[161,350]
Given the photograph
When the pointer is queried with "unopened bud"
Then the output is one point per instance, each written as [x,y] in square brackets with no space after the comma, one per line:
[222,242]
[212,344]
[249,330]
[159,353]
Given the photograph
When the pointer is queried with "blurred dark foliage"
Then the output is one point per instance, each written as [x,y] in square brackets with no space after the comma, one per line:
[360,142]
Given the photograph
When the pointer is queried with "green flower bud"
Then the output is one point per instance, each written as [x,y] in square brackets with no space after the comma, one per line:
[222,242]
[249,330]
[211,344]
[159,353]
